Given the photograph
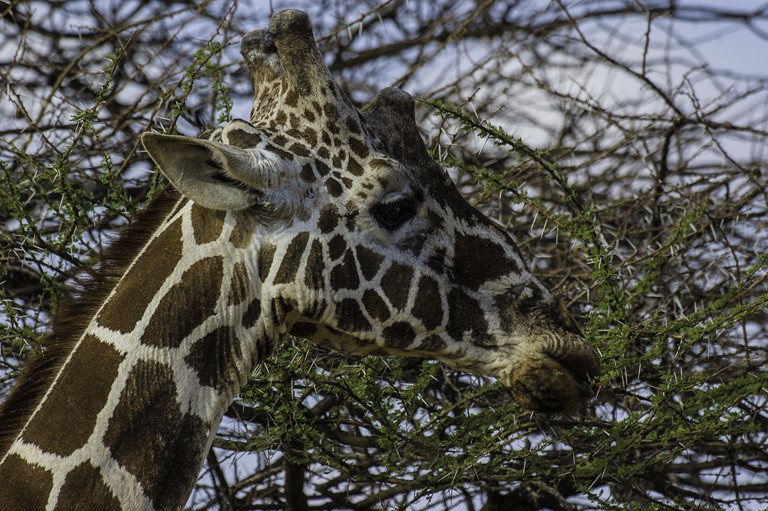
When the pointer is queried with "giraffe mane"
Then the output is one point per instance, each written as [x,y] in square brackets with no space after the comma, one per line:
[70,319]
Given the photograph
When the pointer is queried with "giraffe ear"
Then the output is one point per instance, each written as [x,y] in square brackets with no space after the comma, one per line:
[216,175]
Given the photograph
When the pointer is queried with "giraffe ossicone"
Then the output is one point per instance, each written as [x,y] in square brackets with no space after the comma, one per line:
[309,219]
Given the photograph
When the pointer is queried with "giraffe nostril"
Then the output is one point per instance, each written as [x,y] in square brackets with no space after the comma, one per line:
[516,291]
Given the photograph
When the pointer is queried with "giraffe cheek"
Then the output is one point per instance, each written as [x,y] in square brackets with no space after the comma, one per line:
[466,317]
[396,283]
[478,260]
[345,275]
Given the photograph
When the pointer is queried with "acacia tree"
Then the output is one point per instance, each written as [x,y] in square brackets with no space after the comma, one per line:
[621,143]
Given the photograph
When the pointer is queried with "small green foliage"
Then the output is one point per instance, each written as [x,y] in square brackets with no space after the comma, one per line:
[204,65]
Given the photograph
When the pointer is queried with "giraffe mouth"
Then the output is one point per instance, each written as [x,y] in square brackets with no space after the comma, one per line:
[555,379]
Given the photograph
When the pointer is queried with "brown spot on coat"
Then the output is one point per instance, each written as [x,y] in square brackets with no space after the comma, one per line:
[428,304]
[307,173]
[267,256]
[350,318]
[66,420]
[370,261]
[242,233]
[477,260]
[359,147]
[252,313]
[336,247]
[207,224]
[309,136]
[353,125]
[187,304]
[322,168]
[329,219]
[25,486]
[396,283]
[240,238]
[432,344]
[299,150]
[292,259]
[331,114]
[243,139]
[314,271]
[344,275]
[334,187]
[375,305]
[399,336]
[143,280]
[86,480]
[280,153]
[379,164]
[354,167]
[437,261]
[214,358]
[292,97]
[466,315]
[238,284]
[172,444]
[280,140]
[415,243]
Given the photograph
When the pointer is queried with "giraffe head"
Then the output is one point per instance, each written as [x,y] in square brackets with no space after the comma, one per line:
[362,242]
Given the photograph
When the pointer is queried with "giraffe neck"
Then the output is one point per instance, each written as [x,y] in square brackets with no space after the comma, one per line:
[135,401]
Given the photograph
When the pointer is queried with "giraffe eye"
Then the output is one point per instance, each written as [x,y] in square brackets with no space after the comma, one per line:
[394,214]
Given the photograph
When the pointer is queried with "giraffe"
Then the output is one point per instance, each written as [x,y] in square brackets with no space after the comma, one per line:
[310,219]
